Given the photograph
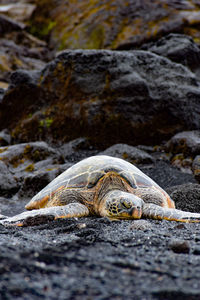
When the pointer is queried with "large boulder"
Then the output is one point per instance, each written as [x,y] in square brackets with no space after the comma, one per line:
[112,24]
[134,97]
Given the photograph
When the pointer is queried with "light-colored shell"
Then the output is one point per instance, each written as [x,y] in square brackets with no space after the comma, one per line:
[86,173]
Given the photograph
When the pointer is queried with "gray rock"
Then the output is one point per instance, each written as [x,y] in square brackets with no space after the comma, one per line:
[44,172]
[179,246]
[186,142]
[196,168]
[23,77]
[8,25]
[19,11]
[33,183]
[8,184]
[186,196]
[179,48]
[5,138]
[166,175]
[140,225]
[129,153]
[77,149]
[134,97]
[17,154]
[24,159]
[2,92]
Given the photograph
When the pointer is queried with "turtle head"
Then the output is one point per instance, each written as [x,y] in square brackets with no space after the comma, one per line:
[121,205]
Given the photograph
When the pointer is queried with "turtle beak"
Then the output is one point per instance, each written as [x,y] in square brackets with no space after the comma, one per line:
[135,212]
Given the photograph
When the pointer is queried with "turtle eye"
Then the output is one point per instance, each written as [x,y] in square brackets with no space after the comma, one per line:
[125,204]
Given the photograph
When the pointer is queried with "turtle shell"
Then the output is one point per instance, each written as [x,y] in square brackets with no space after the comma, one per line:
[86,173]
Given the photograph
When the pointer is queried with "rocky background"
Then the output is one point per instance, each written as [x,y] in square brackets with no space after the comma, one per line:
[132,91]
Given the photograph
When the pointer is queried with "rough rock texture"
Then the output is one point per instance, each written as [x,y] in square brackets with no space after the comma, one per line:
[18,48]
[20,11]
[5,138]
[187,142]
[129,153]
[186,196]
[102,95]
[93,258]
[9,184]
[179,48]
[196,167]
[85,102]
[27,168]
[113,24]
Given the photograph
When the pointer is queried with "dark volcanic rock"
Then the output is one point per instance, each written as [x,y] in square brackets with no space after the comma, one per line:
[8,25]
[92,258]
[17,154]
[129,153]
[179,48]
[187,142]
[8,184]
[196,167]
[77,149]
[34,183]
[113,24]
[186,196]
[25,159]
[109,96]
[29,55]
[20,11]
[179,246]
[5,138]
[166,175]
[18,48]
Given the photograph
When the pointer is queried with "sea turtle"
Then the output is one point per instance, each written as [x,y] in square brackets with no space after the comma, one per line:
[103,186]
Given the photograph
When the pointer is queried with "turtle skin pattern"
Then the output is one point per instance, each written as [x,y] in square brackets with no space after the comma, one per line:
[103,186]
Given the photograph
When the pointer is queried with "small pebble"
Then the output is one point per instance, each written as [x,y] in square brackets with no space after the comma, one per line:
[81,225]
[140,225]
[180,226]
[179,246]
[196,250]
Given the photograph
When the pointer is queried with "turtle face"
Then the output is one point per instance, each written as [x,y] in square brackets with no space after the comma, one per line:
[122,205]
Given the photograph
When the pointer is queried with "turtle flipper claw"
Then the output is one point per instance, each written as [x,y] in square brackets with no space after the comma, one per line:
[44,215]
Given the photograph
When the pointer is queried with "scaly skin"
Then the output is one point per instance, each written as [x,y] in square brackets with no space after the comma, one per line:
[152,211]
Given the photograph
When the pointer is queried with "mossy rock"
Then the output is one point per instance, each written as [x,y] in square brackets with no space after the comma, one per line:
[109,24]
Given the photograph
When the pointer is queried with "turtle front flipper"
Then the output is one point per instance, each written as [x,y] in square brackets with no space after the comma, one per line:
[153,211]
[44,215]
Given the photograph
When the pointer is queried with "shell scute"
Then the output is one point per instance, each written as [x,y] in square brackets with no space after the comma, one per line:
[86,173]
